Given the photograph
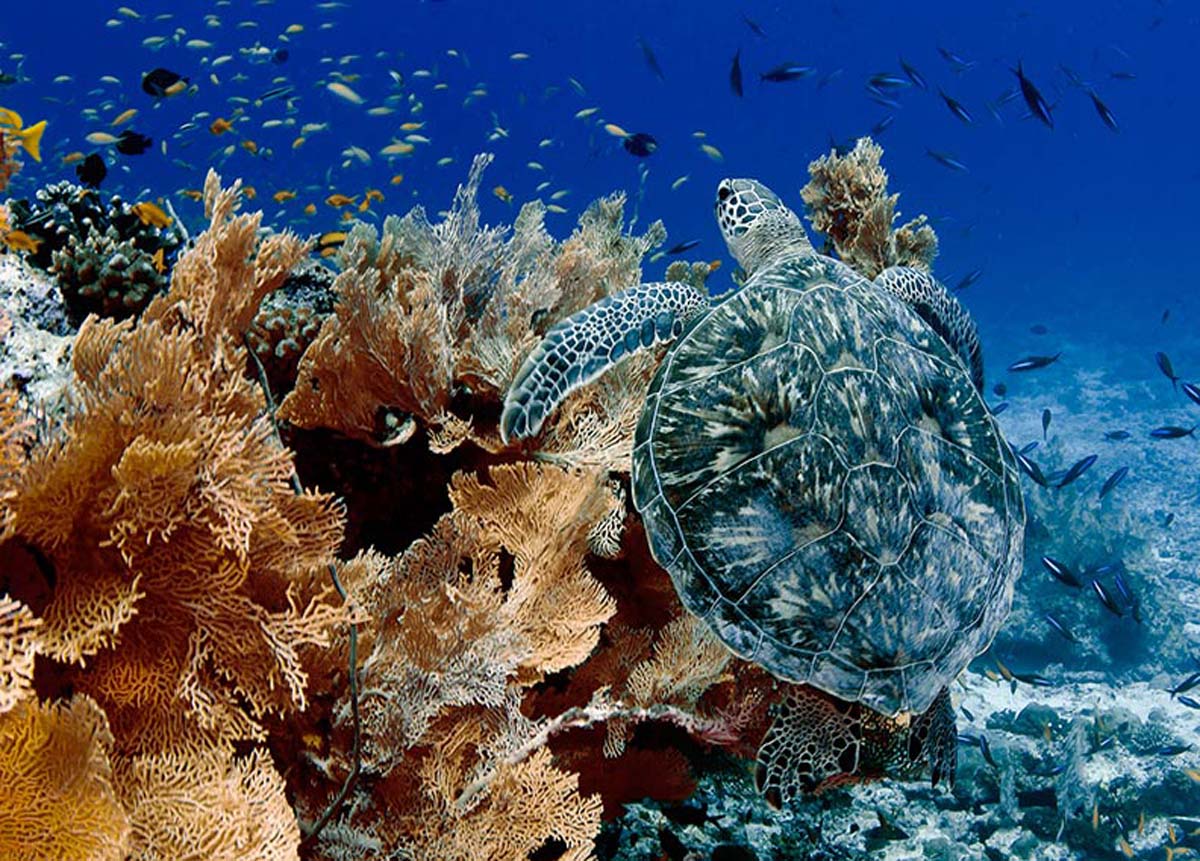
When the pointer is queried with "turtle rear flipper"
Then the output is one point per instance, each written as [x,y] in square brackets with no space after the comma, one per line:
[817,742]
[582,347]
[932,302]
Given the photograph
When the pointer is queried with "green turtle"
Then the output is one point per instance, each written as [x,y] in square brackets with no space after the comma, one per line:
[818,473]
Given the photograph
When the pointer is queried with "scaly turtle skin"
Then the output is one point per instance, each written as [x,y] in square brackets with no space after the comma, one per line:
[819,475]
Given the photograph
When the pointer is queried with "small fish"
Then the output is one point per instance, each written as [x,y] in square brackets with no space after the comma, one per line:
[1172,432]
[1117,435]
[683,247]
[1186,685]
[1034,679]
[1192,391]
[712,152]
[956,108]
[1113,480]
[220,125]
[518,56]
[19,240]
[339,200]
[913,75]
[277,93]
[151,214]
[946,160]
[132,143]
[651,60]
[754,27]
[735,74]
[1028,447]
[986,750]
[640,145]
[785,72]
[162,83]
[1077,469]
[584,113]
[967,713]
[1062,629]
[1038,106]
[957,63]
[883,125]
[91,171]
[1106,116]
[1164,365]
[1032,470]
[1001,407]
[1189,702]
[887,81]
[1000,390]
[1046,416]
[284,195]
[1061,572]
[968,279]
[1106,599]
[124,117]
[615,130]
[1033,363]
[331,240]
[503,194]
[680,181]
[344,92]
[101,138]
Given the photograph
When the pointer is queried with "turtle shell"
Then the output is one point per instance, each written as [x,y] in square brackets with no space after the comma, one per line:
[827,489]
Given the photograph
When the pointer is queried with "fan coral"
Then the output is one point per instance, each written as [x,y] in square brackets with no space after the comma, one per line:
[105,257]
[431,321]
[182,571]
[847,201]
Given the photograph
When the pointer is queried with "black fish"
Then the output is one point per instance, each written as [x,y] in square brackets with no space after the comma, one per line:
[277,93]
[91,171]
[1034,679]
[1061,572]
[1038,329]
[1045,422]
[956,62]
[1113,480]
[683,246]
[640,144]
[1172,432]
[986,750]
[914,75]
[1077,469]
[1173,749]
[754,28]
[1168,520]
[956,108]
[132,143]
[968,739]
[1000,407]
[1000,389]
[968,279]
[1061,628]
[280,56]
[1186,685]
[967,712]
[160,82]
[735,74]
[787,72]
[1032,470]
[946,160]
[1117,435]
[651,60]
[1106,599]
[1033,363]
[1165,315]
[1027,448]
[7,80]
[1192,391]
[1106,116]
[883,125]
[1038,106]
[1164,365]
[1122,76]
[1189,702]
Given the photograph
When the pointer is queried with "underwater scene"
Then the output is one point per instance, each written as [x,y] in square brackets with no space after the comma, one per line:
[656,431]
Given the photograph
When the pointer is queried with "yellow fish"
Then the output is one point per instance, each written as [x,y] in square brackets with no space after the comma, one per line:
[397,179]
[503,194]
[281,196]
[250,147]
[293,29]
[18,240]
[374,194]
[124,117]
[298,142]
[192,193]
[150,214]
[615,130]
[160,265]
[220,125]
[30,139]
[339,200]
[310,209]
[343,92]
[411,127]
[249,191]
[72,157]
[101,138]
[397,148]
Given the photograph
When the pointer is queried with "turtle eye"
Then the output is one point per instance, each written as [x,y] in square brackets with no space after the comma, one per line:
[723,193]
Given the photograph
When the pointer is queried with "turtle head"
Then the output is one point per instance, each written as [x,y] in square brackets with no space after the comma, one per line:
[757,227]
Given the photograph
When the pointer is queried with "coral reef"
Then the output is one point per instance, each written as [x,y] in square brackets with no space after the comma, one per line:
[165,569]
[108,259]
[288,321]
[847,200]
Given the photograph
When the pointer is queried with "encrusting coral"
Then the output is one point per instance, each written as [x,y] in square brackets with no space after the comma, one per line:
[178,579]
[847,200]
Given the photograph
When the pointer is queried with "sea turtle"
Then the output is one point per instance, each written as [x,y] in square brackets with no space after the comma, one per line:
[817,471]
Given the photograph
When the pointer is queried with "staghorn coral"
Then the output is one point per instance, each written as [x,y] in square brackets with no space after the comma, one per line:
[59,801]
[432,320]
[102,254]
[182,571]
[847,200]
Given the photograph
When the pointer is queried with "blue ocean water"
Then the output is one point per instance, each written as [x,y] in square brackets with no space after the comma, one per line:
[1075,226]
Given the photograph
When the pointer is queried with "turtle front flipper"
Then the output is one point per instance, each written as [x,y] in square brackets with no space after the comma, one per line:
[817,742]
[580,348]
[932,302]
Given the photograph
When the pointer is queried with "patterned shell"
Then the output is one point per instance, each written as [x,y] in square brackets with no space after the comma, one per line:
[827,489]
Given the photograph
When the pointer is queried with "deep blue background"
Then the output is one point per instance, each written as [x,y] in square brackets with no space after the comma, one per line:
[1090,232]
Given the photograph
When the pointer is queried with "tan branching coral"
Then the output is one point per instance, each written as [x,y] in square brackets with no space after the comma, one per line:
[18,649]
[59,802]
[847,201]
[186,595]
[432,315]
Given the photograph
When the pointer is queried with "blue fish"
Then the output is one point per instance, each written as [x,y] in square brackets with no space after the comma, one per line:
[1113,480]
[1038,106]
